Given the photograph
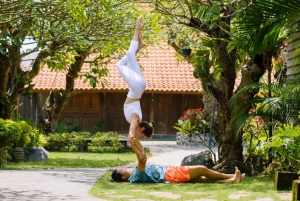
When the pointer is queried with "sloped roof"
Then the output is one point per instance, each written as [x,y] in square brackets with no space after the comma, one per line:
[162,73]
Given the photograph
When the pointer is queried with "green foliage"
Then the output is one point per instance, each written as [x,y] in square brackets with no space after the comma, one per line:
[10,132]
[282,106]
[98,127]
[193,121]
[107,139]
[100,141]
[263,25]
[255,136]
[61,30]
[68,127]
[36,138]
[66,141]
[24,139]
[285,143]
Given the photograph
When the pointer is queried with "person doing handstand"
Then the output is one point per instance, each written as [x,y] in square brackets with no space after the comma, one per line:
[169,174]
[131,73]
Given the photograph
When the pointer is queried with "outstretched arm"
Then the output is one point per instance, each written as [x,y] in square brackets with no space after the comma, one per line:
[133,125]
[138,149]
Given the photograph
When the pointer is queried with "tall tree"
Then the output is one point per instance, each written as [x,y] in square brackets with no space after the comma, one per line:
[210,23]
[66,33]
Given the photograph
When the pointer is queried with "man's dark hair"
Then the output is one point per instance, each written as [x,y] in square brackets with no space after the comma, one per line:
[116,176]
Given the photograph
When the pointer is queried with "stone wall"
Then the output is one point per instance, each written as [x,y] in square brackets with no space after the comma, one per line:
[193,140]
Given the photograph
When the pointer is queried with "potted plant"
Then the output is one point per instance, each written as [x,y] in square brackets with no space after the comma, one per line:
[185,48]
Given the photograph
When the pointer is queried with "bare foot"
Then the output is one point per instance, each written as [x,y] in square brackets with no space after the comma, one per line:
[237,177]
[243,176]
[139,24]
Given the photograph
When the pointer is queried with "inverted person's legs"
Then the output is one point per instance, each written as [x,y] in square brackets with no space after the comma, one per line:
[132,73]
[133,48]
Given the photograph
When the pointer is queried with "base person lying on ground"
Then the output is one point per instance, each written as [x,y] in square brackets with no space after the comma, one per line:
[174,174]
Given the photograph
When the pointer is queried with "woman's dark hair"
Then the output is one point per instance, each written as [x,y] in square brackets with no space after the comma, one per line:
[149,128]
[116,176]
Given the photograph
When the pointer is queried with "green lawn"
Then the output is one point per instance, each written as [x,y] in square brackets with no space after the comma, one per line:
[251,188]
[77,160]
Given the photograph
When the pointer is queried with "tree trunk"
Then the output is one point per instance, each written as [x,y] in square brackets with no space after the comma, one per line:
[229,142]
[4,79]
[57,100]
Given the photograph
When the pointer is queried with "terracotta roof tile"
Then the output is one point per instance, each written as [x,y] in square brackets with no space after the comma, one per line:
[159,67]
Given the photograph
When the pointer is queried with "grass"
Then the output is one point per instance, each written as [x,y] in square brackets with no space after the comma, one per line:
[252,188]
[77,160]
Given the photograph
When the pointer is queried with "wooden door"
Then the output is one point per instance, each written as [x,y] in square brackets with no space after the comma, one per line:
[84,110]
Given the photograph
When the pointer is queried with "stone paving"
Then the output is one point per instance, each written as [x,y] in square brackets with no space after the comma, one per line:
[74,184]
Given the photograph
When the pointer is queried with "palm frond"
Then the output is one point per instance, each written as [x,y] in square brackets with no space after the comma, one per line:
[265,24]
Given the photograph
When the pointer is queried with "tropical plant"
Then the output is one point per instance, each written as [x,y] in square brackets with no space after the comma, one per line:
[285,144]
[263,25]
[98,127]
[282,106]
[195,121]
[255,136]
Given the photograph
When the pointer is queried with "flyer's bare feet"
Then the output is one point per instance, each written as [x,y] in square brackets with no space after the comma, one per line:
[237,178]
[243,176]
[139,24]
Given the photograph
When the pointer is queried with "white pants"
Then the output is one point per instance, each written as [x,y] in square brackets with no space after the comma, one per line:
[132,72]
[133,77]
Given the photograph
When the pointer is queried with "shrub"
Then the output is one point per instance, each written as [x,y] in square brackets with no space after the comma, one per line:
[255,137]
[24,140]
[195,121]
[66,141]
[36,138]
[106,141]
[101,141]
[198,119]
[285,144]
[10,132]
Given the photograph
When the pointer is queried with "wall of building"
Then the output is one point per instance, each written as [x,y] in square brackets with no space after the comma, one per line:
[87,110]
[293,55]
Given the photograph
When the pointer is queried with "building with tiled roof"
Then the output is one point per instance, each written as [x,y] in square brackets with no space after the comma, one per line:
[171,89]
[161,71]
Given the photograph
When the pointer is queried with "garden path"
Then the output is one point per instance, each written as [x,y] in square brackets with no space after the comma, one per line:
[74,184]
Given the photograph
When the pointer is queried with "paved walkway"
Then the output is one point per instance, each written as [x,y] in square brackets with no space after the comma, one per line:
[168,153]
[74,184]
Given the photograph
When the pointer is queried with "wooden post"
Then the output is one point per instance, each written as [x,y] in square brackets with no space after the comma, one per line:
[103,101]
[284,180]
[151,103]
[296,190]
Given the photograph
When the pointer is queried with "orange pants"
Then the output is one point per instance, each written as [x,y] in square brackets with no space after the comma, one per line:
[177,174]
